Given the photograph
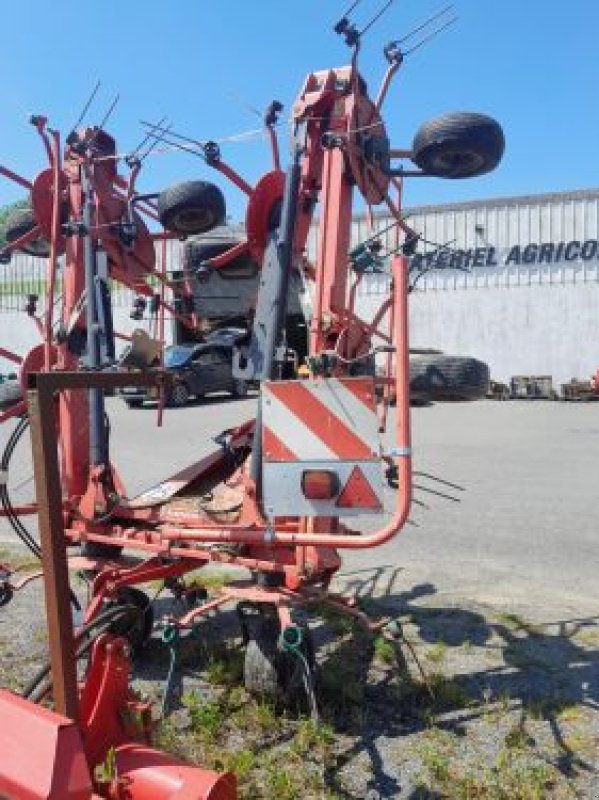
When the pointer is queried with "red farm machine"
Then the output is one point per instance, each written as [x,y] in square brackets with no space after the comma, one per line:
[274,494]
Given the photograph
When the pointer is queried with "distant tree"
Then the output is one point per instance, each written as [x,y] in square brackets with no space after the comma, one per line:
[5,212]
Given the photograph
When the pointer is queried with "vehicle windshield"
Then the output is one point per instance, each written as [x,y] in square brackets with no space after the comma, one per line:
[176,356]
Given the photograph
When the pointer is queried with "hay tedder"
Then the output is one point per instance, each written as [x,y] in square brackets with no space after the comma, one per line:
[276,493]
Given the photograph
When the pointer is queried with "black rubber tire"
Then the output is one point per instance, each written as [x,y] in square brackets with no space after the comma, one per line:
[134,403]
[458,145]
[137,634]
[191,207]
[178,395]
[18,224]
[260,667]
[240,389]
[268,672]
[10,393]
[442,377]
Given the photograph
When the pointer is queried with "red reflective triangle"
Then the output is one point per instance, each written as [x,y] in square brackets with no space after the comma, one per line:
[357,492]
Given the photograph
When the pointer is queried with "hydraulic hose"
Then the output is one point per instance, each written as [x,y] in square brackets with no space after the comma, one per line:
[35,691]
[21,531]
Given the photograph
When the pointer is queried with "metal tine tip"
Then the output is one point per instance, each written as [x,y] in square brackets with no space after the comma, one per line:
[440,480]
[86,105]
[430,36]
[445,10]
[436,493]
[155,140]
[148,136]
[176,135]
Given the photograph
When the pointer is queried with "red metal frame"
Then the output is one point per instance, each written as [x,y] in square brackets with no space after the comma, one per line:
[331,114]
[324,107]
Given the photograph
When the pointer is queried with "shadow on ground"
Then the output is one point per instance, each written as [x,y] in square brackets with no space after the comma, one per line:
[538,672]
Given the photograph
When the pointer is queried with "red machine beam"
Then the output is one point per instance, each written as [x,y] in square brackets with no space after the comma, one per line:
[54,558]
[10,356]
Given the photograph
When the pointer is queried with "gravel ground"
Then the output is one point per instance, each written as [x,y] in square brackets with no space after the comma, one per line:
[499,608]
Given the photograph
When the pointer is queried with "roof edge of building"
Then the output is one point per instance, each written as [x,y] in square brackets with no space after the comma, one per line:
[544,197]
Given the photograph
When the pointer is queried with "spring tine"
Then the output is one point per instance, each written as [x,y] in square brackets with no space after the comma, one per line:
[86,106]
[105,119]
[162,138]
[176,135]
[148,136]
[438,494]
[430,36]
[154,142]
[421,504]
[376,17]
[440,480]
[108,113]
[351,8]
[426,23]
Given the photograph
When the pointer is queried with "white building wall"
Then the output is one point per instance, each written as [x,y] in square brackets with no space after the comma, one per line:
[521,318]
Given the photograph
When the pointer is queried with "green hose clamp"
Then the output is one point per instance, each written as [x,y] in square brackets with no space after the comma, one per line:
[170,635]
[291,638]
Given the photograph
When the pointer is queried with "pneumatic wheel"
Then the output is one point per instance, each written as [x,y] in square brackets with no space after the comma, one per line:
[137,629]
[178,395]
[18,224]
[275,674]
[458,145]
[191,207]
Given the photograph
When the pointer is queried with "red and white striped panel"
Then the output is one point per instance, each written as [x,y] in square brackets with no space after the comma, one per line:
[323,419]
[325,423]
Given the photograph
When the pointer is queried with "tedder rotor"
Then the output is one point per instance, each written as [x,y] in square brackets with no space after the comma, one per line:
[280,493]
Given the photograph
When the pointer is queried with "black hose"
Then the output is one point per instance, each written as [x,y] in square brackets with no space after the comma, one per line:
[102,621]
[21,531]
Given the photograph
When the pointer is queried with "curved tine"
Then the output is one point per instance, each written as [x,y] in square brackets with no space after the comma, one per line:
[148,136]
[426,22]
[430,36]
[440,480]
[86,105]
[438,494]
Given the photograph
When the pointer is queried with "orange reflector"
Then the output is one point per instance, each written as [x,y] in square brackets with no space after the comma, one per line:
[320,484]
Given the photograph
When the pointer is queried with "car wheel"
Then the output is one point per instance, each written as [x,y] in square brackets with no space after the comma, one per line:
[458,145]
[191,207]
[179,395]
[240,388]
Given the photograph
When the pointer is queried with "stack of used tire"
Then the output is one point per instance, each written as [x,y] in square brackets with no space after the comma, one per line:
[437,376]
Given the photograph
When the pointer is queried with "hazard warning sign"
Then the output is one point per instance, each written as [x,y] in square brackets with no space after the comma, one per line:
[358,493]
[323,424]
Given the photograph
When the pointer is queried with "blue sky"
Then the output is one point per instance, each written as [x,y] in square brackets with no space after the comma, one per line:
[533,65]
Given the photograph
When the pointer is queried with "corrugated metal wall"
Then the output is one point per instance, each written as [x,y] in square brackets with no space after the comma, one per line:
[548,321]
[502,224]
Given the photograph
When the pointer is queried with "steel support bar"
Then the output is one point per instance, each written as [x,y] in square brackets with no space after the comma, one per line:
[44,444]
[42,417]
[10,356]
